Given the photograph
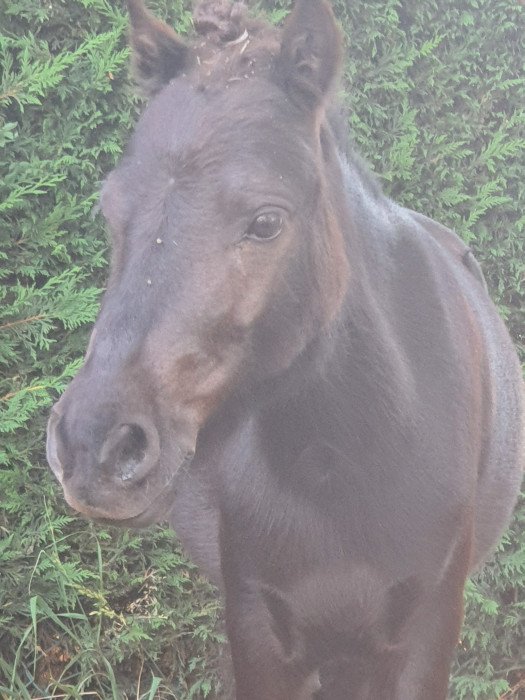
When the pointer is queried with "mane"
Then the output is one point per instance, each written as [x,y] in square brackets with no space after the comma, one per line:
[231,44]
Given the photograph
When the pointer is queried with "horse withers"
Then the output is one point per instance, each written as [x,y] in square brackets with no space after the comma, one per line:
[307,380]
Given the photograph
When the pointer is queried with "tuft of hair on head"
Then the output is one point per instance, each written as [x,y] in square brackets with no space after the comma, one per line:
[221,18]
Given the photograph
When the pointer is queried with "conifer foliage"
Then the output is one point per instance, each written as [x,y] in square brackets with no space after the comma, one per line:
[435,94]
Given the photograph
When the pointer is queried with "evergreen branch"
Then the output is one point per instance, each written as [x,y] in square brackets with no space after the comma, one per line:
[15,198]
[22,391]
[21,321]
[8,95]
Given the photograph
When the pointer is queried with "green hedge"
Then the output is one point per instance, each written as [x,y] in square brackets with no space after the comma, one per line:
[436,99]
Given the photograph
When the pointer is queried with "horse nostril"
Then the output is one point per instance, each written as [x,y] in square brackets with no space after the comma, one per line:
[130,451]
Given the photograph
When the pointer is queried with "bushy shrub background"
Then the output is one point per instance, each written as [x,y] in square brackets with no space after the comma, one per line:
[436,98]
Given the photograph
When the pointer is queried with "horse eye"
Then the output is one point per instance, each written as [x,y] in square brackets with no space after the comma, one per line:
[265,227]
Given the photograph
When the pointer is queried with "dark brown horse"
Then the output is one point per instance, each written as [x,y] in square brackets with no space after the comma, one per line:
[309,381]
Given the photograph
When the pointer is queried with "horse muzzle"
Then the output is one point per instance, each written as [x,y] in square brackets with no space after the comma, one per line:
[116,468]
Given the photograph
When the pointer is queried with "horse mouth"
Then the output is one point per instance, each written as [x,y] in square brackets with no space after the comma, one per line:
[158,508]
[155,509]
[151,514]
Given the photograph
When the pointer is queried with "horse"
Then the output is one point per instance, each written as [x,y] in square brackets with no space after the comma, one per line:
[307,380]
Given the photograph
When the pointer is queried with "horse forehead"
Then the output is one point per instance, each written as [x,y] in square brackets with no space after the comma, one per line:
[186,113]
[170,120]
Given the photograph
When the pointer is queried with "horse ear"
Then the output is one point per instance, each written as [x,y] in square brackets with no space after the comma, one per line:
[158,54]
[311,51]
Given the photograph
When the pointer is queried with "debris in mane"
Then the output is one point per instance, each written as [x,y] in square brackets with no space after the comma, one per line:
[232,45]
